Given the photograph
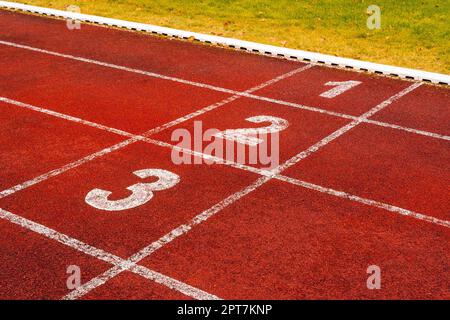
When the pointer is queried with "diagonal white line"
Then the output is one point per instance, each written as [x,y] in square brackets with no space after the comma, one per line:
[368,202]
[119,263]
[302,155]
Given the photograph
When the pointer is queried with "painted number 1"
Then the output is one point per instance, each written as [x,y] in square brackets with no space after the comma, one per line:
[141,192]
[339,88]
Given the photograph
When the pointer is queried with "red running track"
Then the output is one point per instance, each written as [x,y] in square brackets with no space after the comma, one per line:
[353,192]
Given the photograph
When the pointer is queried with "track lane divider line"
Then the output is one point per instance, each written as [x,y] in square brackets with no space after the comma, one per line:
[175,79]
[247,93]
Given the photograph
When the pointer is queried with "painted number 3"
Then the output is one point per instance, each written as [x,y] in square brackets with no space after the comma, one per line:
[141,192]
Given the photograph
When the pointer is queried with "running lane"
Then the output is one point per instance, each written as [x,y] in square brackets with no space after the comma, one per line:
[34,143]
[115,98]
[60,202]
[212,65]
[286,242]
[35,267]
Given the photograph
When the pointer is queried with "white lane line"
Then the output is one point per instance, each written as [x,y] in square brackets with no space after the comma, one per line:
[66,117]
[106,257]
[65,168]
[202,217]
[118,67]
[179,80]
[133,138]
[410,130]
[169,237]
[368,202]
[217,160]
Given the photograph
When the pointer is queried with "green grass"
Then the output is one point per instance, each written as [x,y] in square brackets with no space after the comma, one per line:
[414,33]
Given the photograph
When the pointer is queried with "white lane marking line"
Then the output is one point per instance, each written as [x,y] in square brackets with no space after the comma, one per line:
[65,117]
[410,130]
[192,83]
[202,217]
[368,202]
[65,168]
[133,138]
[302,155]
[105,256]
[118,67]
[169,237]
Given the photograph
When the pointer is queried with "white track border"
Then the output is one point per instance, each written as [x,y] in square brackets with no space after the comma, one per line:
[313,57]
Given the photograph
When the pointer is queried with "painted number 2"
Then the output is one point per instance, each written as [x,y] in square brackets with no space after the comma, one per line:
[141,192]
[339,88]
[248,136]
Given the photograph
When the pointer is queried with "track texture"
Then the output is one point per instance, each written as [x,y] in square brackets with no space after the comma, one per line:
[363,177]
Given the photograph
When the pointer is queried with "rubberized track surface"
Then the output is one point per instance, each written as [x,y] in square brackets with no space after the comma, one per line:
[363,177]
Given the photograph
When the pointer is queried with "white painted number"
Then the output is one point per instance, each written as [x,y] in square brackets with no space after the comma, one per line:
[141,192]
[340,88]
[248,136]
